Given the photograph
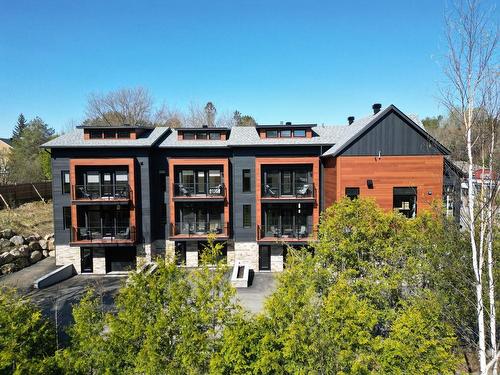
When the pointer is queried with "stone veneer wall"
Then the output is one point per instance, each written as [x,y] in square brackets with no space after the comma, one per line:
[191,253]
[247,253]
[66,254]
[276,258]
[99,258]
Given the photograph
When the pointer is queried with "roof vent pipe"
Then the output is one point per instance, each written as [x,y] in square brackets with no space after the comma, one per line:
[350,119]
[376,108]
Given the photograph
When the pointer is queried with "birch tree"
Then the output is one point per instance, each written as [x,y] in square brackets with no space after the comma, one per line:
[472,73]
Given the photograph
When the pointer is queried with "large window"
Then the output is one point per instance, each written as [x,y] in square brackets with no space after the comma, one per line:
[405,200]
[65,182]
[66,218]
[299,133]
[287,182]
[352,192]
[200,182]
[246,183]
[247,216]
[272,134]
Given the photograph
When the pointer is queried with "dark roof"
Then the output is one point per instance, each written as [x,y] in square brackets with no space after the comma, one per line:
[198,129]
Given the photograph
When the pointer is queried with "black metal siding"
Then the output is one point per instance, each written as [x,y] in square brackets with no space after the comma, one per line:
[392,136]
[239,198]
[59,200]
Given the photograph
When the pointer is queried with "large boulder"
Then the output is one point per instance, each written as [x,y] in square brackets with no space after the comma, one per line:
[43,244]
[33,237]
[48,236]
[5,245]
[25,251]
[8,268]
[7,233]
[6,258]
[35,246]
[45,253]
[22,262]
[15,253]
[17,240]
[52,253]
[51,245]
[35,256]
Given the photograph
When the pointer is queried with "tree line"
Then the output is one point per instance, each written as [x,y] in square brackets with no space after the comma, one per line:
[382,294]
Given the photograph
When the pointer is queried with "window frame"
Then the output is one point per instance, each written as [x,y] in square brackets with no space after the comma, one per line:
[352,196]
[246,181]
[64,183]
[302,135]
[269,132]
[247,216]
[289,131]
[66,214]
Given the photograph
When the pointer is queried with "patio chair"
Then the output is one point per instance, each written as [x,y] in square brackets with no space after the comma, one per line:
[303,191]
[84,193]
[184,191]
[83,233]
[123,234]
[303,231]
[269,191]
[215,190]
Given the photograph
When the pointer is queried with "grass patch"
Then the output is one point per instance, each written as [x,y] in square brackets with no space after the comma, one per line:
[29,218]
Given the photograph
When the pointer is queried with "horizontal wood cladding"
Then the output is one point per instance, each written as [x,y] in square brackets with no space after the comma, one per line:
[173,162]
[330,181]
[259,162]
[423,172]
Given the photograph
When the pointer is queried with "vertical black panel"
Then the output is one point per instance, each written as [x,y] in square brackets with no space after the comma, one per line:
[240,198]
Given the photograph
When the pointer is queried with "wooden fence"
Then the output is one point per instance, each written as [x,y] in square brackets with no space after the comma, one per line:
[17,194]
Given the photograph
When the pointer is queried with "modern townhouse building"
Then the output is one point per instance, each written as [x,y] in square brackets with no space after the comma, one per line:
[131,193]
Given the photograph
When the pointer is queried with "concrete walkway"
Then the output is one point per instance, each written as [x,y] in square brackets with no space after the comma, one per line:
[23,279]
[253,297]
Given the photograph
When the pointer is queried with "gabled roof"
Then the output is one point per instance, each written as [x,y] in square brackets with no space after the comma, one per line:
[75,138]
[7,141]
[359,127]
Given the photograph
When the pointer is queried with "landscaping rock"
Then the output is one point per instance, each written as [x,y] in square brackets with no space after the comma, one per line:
[8,268]
[48,236]
[15,253]
[45,253]
[5,244]
[22,263]
[35,256]
[17,240]
[7,233]
[52,253]
[6,258]
[25,251]
[50,245]
[33,237]
[34,246]
[43,244]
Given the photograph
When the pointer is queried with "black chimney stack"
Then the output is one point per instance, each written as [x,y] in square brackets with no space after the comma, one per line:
[288,123]
[350,119]
[376,108]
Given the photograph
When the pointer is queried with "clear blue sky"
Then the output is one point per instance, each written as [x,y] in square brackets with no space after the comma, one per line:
[300,61]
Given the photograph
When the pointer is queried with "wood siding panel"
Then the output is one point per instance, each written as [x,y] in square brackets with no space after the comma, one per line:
[330,182]
[423,172]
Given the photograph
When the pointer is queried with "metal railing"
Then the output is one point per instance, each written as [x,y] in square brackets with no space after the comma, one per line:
[102,191]
[285,231]
[199,228]
[103,234]
[298,190]
[199,190]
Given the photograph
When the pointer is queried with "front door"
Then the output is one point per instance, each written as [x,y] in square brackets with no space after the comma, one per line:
[264,258]
[86,258]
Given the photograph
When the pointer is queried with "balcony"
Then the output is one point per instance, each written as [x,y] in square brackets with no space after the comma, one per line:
[285,233]
[102,192]
[103,235]
[304,191]
[199,229]
[184,191]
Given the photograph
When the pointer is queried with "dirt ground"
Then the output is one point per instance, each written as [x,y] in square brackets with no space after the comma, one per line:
[29,218]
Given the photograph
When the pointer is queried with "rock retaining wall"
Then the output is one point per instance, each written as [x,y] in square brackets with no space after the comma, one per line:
[17,252]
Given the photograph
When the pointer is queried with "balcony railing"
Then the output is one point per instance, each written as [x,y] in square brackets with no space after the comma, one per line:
[298,190]
[284,232]
[102,191]
[103,234]
[199,228]
[199,190]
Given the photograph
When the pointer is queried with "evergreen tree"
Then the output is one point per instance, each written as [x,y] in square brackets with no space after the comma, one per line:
[20,126]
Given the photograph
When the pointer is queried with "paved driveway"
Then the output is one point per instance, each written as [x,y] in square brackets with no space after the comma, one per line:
[24,279]
[253,298]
